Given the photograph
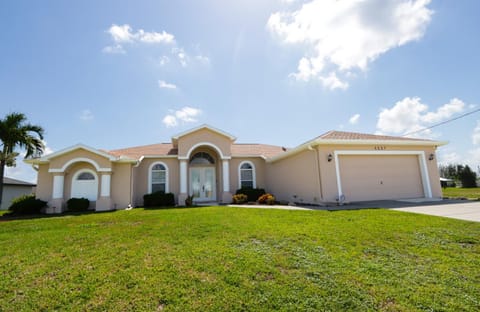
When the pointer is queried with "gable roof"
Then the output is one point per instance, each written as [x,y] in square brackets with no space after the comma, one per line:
[47,158]
[204,126]
[11,181]
[355,138]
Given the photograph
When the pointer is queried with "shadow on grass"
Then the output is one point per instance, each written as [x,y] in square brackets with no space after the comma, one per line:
[9,216]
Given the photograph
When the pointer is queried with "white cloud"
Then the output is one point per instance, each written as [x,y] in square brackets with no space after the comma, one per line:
[165,85]
[115,49]
[354,119]
[410,114]
[164,60]
[203,59]
[170,121]
[182,57]
[123,34]
[341,36]
[445,158]
[86,115]
[185,115]
[476,134]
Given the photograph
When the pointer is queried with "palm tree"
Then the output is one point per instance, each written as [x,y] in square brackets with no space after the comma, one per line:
[16,132]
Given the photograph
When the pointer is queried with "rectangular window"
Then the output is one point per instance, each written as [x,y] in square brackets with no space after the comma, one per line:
[247,184]
[158,177]
[158,187]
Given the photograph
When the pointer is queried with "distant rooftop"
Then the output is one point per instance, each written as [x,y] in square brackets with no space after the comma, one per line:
[10,181]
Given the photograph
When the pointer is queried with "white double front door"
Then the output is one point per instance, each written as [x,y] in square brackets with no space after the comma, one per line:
[202,183]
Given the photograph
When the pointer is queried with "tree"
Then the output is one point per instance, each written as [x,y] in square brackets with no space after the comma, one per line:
[467,177]
[461,173]
[16,132]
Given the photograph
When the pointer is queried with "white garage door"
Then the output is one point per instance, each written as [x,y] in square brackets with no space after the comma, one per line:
[374,177]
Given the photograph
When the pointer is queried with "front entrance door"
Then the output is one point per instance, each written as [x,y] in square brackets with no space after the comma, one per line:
[202,183]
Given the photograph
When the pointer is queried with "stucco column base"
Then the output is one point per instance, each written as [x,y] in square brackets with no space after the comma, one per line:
[226,198]
[181,199]
[104,204]
[55,206]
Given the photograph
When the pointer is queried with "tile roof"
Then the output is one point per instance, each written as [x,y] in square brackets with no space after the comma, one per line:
[160,149]
[167,149]
[343,135]
[265,150]
[257,150]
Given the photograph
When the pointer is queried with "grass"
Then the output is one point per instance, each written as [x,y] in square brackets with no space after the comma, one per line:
[461,192]
[234,259]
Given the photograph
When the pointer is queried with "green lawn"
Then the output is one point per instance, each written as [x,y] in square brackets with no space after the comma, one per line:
[234,259]
[461,192]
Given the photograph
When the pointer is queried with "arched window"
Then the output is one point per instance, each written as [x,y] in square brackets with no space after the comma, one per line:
[158,178]
[202,158]
[85,176]
[246,175]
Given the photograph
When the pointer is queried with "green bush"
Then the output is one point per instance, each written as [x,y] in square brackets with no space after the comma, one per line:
[239,198]
[27,204]
[78,204]
[159,199]
[252,193]
[189,201]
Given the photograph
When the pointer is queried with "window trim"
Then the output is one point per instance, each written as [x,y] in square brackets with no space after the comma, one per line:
[254,175]
[150,168]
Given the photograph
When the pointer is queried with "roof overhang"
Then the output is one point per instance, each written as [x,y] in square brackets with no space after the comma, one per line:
[320,141]
[46,159]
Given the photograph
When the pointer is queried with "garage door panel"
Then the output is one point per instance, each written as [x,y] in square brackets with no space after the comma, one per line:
[373,177]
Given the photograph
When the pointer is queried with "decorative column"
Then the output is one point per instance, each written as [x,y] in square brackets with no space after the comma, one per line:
[226,195]
[104,202]
[56,204]
[183,182]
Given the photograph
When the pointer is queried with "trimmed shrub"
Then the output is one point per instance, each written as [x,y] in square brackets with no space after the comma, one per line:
[159,199]
[78,204]
[266,199]
[189,201]
[239,198]
[252,193]
[27,204]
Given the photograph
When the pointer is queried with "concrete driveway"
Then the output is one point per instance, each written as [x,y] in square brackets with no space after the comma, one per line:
[463,210]
[457,209]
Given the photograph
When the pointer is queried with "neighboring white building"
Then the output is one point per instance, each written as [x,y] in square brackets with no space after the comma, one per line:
[13,188]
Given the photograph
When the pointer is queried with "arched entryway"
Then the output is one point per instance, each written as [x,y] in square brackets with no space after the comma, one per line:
[85,185]
[203,176]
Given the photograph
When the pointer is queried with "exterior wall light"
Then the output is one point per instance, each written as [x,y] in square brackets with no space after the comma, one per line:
[431,157]
[329,157]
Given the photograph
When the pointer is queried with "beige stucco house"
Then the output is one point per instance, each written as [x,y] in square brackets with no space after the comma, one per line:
[207,163]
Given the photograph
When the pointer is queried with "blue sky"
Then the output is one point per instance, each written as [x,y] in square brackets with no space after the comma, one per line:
[113,74]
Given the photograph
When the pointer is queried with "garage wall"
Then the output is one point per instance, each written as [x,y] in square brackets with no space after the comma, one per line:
[295,175]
